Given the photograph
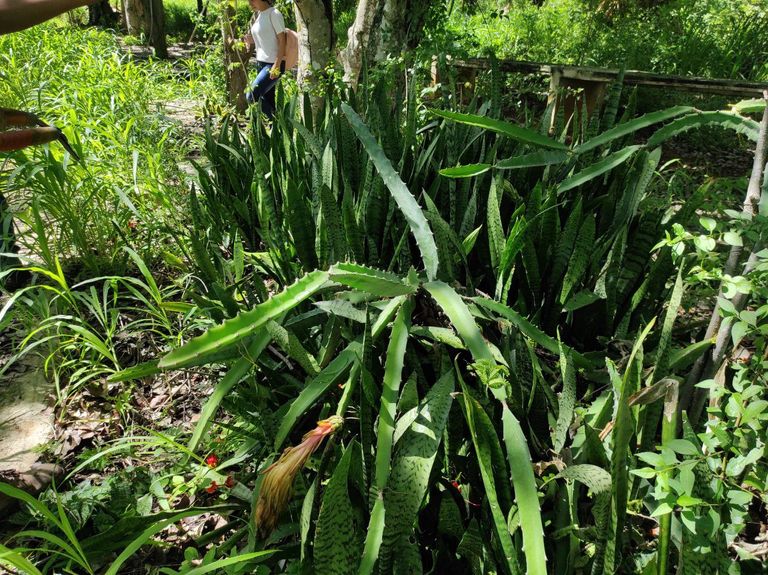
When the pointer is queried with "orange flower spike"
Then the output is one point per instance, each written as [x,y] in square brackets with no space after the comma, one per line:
[277,486]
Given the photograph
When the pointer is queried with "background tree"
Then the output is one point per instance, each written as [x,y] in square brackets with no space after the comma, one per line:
[314,19]
[101,14]
[236,75]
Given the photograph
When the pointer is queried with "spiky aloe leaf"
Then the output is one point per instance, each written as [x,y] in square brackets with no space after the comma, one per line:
[235,374]
[597,169]
[411,468]
[393,370]
[486,441]
[323,381]
[533,160]
[466,171]
[526,497]
[230,332]
[373,281]
[337,538]
[402,196]
[749,106]
[740,124]
[462,320]
[373,537]
[633,126]
[517,133]
[139,371]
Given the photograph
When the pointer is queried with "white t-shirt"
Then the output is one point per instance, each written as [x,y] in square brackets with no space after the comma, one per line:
[269,23]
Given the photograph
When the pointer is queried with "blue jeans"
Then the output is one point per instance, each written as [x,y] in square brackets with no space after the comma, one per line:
[263,89]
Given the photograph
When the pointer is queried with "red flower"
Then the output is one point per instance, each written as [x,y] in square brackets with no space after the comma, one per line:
[133,223]
[456,485]
[230,482]
[212,460]
[212,487]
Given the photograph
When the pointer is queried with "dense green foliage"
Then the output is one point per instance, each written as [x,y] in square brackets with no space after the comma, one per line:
[420,337]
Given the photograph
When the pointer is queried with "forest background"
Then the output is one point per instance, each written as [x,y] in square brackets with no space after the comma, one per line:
[499,339]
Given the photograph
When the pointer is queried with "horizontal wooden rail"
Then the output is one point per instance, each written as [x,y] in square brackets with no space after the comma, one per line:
[633,77]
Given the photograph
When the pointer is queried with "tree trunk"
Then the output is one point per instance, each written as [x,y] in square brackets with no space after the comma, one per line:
[234,66]
[401,26]
[157,27]
[359,43]
[316,38]
[136,17]
[101,14]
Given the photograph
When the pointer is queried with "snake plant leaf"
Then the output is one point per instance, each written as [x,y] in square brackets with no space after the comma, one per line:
[235,374]
[567,401]
[408,205]
[370,280]
[486,441]
[518,133]
[230,332]
[465,171]
[740,124]
[597,169]
[411,468]
[526,496]
[633,126]
[337,543]
[533,160]
[529,330]
[320,384]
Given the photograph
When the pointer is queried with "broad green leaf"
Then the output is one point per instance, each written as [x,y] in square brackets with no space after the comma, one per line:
[633,126]
[403,197]
[517,133]
[466,171]
[597,169]
[526,496]
[337,538]
[230,332]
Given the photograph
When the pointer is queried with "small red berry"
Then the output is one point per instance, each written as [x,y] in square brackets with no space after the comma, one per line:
[212,460]
[230,482]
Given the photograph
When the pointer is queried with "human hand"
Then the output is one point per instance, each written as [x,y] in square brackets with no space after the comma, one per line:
[274,72]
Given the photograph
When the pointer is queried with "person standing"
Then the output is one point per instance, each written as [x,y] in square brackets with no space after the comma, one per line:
[268,38]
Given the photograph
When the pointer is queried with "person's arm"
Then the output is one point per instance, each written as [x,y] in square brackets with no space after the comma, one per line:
[275,71]
[16,15]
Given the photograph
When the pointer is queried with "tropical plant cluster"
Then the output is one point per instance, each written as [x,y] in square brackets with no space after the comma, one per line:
[437,341]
